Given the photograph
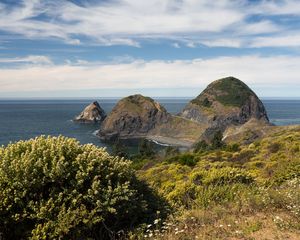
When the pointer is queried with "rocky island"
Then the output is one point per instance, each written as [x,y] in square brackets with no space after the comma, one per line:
[91,114]
[227,105]
[132,117]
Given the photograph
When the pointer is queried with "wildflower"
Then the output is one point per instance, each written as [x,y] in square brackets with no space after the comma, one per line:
[156,221]
[149,226]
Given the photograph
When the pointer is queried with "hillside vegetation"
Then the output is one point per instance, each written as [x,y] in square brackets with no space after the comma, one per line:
[55,188]
[233,192]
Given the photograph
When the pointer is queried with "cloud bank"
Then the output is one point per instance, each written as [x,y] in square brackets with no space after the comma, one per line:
[228,23]
[259,72]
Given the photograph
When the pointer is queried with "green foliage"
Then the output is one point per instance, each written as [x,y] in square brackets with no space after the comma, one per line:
[235,92]
[214,176]
[221,176]
[274,147]
[216,143]
[120,150]
[217,140]
[146,149]
[184,159]
[205,102]
[201,146]
[232,147]
[171,151]
[54,188]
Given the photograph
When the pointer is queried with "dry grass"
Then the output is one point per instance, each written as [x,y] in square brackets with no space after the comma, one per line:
[223,223]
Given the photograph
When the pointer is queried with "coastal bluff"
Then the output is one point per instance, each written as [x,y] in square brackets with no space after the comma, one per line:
[132,117]
[227,105]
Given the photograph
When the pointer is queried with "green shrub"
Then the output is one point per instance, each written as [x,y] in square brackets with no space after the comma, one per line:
[120,150]
[274,147]
[201,146]
[235,92]
[171,151]
[146,149]
[184,159]
[221,176]
[54,188]
[232,147]
[217,141]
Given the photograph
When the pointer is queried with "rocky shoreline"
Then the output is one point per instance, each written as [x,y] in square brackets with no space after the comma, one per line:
[167,141]
[227,105]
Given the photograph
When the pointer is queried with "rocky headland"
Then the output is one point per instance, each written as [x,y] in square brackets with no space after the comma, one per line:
[227,105]
[134,116]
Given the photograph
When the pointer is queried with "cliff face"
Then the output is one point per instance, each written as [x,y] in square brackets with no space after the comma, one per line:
[133,116]
[92,113]
[223,103]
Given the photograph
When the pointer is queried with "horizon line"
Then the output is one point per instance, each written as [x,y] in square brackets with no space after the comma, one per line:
[118,97]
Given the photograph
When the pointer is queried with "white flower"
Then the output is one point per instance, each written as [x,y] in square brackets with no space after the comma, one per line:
[156,221]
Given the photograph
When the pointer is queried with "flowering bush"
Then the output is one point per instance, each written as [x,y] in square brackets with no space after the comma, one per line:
[53,187]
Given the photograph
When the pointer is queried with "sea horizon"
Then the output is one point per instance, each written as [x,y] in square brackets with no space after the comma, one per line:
[26,118]
[119,97]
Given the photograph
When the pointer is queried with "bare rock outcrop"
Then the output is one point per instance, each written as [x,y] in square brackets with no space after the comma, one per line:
[91,114]
[225,102]
[133,117]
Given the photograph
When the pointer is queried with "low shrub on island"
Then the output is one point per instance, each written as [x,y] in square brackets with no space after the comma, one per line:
[54,188]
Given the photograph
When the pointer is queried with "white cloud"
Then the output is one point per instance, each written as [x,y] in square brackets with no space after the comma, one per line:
[127,22]
[34,59]
[282,7]
[230,42]
[288,40]
[259,72]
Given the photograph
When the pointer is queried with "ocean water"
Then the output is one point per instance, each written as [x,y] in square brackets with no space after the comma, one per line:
[25,119]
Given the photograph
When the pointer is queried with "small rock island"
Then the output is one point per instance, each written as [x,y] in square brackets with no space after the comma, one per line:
[93,113]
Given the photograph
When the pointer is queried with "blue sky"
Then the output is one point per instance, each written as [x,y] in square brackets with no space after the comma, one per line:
[107,48]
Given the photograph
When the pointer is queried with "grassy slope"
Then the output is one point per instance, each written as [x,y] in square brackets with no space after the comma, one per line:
[251,193]
[228,91]
[180,128]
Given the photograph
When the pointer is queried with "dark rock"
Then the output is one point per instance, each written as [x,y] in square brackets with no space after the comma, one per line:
[132,117]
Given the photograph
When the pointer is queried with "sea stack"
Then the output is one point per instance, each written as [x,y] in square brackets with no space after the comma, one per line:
[91,114]
[133,117]
[225,102]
